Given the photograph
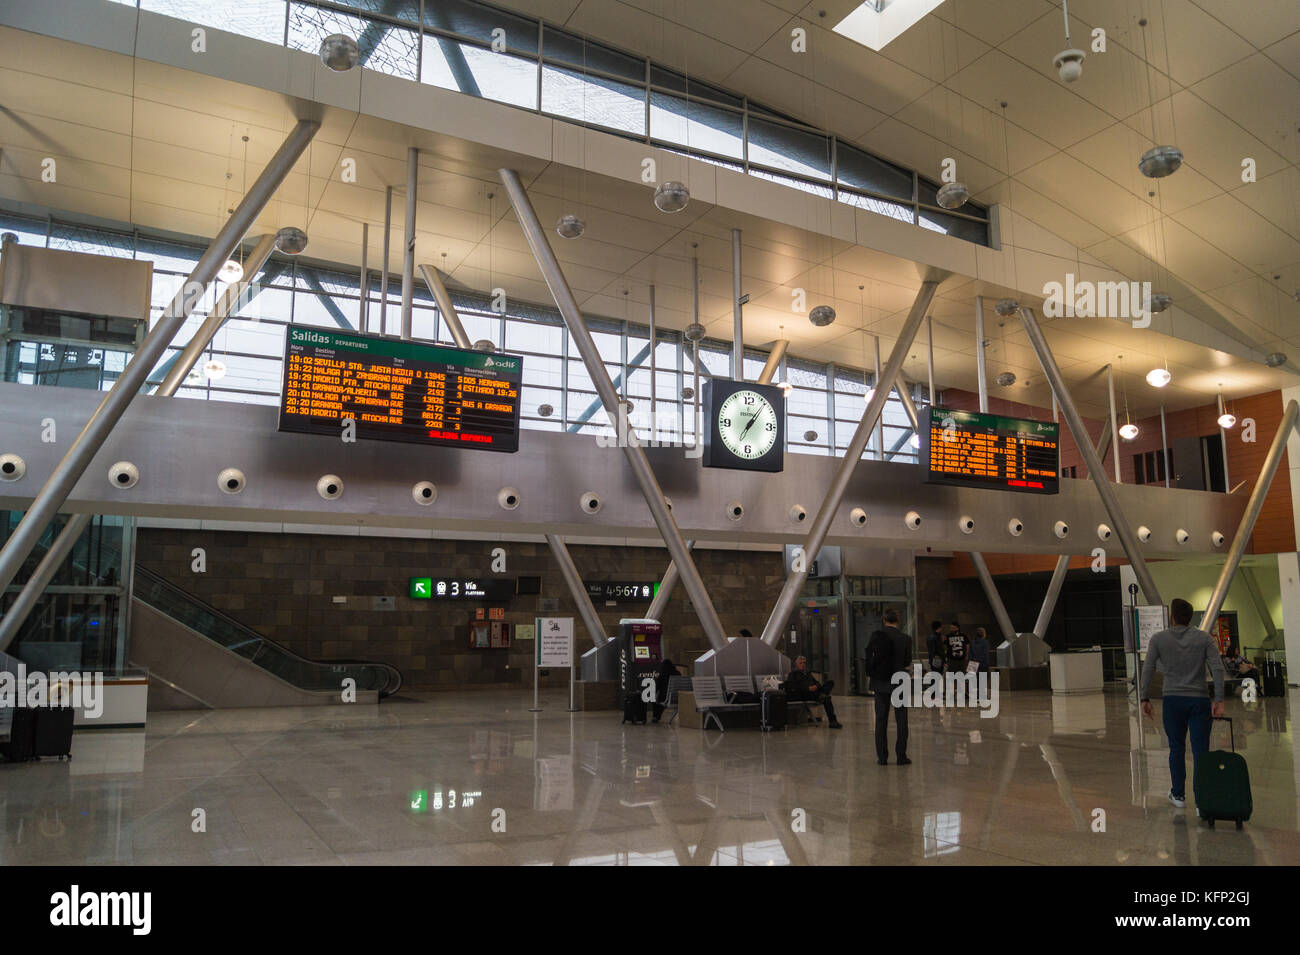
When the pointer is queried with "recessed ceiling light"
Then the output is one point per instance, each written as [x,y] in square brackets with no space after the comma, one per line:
[876,23]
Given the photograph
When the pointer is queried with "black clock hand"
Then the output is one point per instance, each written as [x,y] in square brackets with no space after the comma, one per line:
[752,419]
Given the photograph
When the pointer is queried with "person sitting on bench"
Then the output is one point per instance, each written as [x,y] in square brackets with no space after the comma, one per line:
[1238,666]
[800,685]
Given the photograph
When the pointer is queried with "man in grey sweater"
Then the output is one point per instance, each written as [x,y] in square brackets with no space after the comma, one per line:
[1183,654]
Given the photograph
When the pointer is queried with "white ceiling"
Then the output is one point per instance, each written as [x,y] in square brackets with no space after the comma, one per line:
[150,144]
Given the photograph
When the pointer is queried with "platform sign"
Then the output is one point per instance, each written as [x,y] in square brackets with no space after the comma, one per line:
[554,642]
[971,449]
[616,590]
[399,391]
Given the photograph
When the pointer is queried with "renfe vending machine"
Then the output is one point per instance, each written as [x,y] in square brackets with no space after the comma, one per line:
[640,651]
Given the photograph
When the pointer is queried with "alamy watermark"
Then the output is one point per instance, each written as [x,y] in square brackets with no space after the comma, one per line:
[937,689]
[1086,299]
[83,691]
[661,430]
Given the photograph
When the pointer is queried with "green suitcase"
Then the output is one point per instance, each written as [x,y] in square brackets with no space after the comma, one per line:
[1222,784]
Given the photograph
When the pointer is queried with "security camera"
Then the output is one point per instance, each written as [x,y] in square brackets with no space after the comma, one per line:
[330,487]
[508,498]
[123,474]
[426,492]
[1062,529]
[1103,532]
[1015,527]
[912,520]
[1144,533]
[12,467]
[797,514]
[966,524]
[1069,64]
[735,511]
[1217,538]
[1182,536]
[590,502]
[232,480]
[858,516]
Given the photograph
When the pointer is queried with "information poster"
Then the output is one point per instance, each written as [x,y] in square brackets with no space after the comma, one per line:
[1150,621]
[525,631]
[554,641]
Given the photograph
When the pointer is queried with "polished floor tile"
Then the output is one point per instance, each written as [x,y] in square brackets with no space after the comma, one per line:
[476,779]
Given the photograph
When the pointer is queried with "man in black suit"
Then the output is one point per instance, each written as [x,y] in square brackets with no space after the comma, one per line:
[888,652]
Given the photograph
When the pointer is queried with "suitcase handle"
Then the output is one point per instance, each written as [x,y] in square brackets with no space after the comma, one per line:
[1228,720]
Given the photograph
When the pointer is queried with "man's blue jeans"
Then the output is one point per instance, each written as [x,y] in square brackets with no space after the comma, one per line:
[1180,714]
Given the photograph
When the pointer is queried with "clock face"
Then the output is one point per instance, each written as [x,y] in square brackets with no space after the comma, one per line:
[747,424]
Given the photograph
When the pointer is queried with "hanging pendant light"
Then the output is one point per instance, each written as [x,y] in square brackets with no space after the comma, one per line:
[1160,161]
[821,315]
[1159,377]
[1275,359]
[231,272]
[214,370]
[952,195]
[694,332]
[672,196]
[1128,431]
[570,226]
[1227,420]
[1006,379]
[340,52]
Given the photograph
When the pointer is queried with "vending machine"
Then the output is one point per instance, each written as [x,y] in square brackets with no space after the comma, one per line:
[640,651]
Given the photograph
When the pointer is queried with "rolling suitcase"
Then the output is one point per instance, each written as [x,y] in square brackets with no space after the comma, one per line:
[634,708]
[1274,684]
[53,736]
[21,745]
[775,711]
[1221,783]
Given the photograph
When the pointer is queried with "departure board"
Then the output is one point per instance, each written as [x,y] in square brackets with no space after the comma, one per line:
[399,391]
[969,449]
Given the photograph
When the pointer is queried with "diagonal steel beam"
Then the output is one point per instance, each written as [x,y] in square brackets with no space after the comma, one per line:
[87,444]
[592,408]
[640,465]
[569,570]
[445,306]
[1095,471]
[821,524]
[1257,598]
[1053,594]
[1253,507]
[994,598]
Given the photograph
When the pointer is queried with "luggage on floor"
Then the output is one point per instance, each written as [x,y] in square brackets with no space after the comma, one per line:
[775,710]
[1274,683]
[21,745]
[634,708]
[1221,783]
[53,737]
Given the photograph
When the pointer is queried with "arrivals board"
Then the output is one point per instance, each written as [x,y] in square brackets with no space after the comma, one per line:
[399,391]
[970,449]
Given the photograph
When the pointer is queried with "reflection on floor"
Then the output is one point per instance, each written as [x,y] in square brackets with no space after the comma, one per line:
[424,779]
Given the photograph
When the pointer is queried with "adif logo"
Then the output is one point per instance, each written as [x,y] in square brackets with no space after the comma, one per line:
[74,908]
[489,363]
[1125,300]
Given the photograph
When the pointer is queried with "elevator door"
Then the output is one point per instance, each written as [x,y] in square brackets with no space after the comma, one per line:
[817,636]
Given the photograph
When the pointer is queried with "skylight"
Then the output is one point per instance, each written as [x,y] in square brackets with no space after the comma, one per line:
[877,23]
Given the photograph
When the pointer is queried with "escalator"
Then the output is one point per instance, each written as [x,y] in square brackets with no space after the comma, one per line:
[199,655]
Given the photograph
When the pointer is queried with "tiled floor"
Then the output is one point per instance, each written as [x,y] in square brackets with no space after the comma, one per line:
[421,780]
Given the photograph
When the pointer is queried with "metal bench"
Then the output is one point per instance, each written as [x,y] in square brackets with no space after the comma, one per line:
[675,685]
[711,700]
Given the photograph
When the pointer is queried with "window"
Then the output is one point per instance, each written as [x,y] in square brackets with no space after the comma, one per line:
[593,100]
[789,149]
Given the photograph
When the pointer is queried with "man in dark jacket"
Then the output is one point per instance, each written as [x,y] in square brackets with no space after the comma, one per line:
[888,652]
[934,648]
[800,685]
[979,649]
[958,646]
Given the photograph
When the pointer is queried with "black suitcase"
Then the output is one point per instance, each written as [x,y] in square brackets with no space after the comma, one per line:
[1221,783]
[634,708]
[21,745]
[54,732]
[776,711]
[1274,684]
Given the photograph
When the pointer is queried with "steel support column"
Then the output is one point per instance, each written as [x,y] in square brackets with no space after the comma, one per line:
[408,255]
[365,278]
[995,599]
[839,484]
[1253,507]
[909,406]
[1257,598]
[981,370]
[49,565]
[645,476]
[654,367]
[1114,418]
[1164,444]
[1053,593]
[929,363]
[383,269]
[1103,443]
[887,384]
[70,469]
[1095,469]
[666,586]
[445,306]
[773,361]
[737,312]
[1223,442]
[573,580]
